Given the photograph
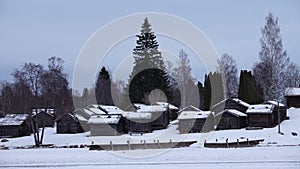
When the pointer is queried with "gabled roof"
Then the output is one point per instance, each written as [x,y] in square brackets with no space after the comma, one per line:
[110,109]
[43,110]
[168,105]
[292,91]
[275,103]
[105,119]
[152,108]
[233,112]
[186,115]
[241,102]
[189,108]
[13,119]
[260,108]
[136,115]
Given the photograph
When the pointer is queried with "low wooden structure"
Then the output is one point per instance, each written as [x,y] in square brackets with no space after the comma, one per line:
[292,96]
[159,116]
[230,119]
[261,115]
[68,124]
[194,121]
[233,103]
[106,125]
[233,144]
[278,107]
[14,125]
[173,110]
[136,122]
[44,117]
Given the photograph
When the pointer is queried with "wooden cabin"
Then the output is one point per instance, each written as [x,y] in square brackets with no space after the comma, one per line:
[14,125]
[173,110]
[44,117]
[278,107]
[230,119]
[159,115]
[136,122]
[106,125]
[261,115]
[68,124]
[188,108]
[292,96]
[233,103]
[194,121]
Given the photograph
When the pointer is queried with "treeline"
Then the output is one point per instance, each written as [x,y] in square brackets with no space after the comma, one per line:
[36,86]
[153,80]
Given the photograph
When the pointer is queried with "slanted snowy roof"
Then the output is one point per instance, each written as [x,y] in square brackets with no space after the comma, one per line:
[241,102]
[139,105]
[170,106]
[13,119]
[292,91]
[189,108]
[96,111]
[275,103]
[185,115]
[80,118]
[111,109]
[136,115]
[104,119]
[152,108]
[260,108]
[234,112]
[39,110]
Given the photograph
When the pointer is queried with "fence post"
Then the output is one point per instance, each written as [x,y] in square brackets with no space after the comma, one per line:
[248,142]
[227,142]
[111,145]
[128,144]
[171,144]
[238,143]
[158,144]
[145,144]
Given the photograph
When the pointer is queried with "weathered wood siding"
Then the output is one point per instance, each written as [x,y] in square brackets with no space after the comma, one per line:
[229,121]
[191,125]
[44,120]
[293,101]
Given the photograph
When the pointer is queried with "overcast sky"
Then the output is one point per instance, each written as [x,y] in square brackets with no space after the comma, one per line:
[33,30]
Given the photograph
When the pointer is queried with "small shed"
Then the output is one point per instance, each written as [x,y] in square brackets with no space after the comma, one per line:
[193,121]
[188,108]
[292,96]
[159,115]
[138,122]
[106,125]
[261,115]
[173,110]
[233,103]
[68,123]
[44,117]
[14,125]
[230,119]
[278,107]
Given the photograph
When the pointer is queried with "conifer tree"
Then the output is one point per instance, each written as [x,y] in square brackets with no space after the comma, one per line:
[148,72]
[103,88]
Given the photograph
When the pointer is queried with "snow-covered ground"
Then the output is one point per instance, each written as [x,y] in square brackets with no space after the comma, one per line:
[277,151]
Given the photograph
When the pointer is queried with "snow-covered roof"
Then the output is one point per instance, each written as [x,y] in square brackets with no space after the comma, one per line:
[136,115]
[39,110]
[292,91]
[13,119]
[80,118]
[239,101]
[104,119]
[139,105]
[111,109]
[170,106]
[193,115]
[96,111]
[152,108]
[260,108]
[189,108]
[275,103]
[234,112]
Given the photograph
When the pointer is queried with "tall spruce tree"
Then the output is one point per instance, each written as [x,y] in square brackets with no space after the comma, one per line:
[207,93]
[249,91]
[149,70]
[103,88]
